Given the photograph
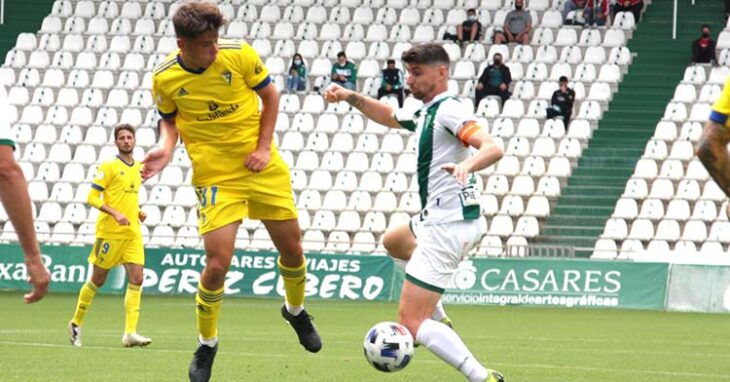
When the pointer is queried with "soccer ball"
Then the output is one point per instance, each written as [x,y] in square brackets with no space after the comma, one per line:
[388,346]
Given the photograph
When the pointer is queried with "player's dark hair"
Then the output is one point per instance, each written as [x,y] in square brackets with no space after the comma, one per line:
[193,19]
[123,126]
[391,61]
[426,54]
[471,10]
[563,79]
[341,54]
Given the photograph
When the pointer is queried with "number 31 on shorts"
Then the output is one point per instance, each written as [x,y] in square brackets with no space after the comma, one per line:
[206,195]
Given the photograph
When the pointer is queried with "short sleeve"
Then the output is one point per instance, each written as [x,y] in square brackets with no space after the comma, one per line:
[102,178]
[721,108]
[458,120]
[165,104]
[405,119]
[254,72]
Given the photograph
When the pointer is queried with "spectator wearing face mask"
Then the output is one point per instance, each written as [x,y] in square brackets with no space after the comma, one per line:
[297,80]
[469,31]
[703,49]
[517,26]
[494,80]
[344,72]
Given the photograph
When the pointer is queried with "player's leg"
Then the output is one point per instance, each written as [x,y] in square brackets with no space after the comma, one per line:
[271,202]
[287,238]
[103,256]
[132,302]
[400,242]
[440,248]
[219,247]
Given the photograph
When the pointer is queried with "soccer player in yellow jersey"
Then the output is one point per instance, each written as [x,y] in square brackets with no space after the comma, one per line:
[712,147]
[208,94]
[114,192]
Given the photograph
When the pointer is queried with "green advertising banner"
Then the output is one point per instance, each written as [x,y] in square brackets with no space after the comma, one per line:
[553,282]
[177,271]
[482,281]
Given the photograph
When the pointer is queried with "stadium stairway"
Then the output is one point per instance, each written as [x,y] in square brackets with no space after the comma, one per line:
[589,197]
[21,16]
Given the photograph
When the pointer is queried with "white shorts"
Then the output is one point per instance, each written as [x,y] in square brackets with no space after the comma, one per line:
[5,132]
[440,248]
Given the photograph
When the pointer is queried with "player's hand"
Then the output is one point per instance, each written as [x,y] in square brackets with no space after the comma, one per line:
[121,219]
[39,278]
[459,171]
[257,160]
[480,86]
[155,160]
[335,93]
[142,216]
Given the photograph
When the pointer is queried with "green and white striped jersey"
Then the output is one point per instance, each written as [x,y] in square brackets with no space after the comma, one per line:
[441,126]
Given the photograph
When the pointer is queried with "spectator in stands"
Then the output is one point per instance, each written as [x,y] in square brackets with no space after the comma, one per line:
[633,6]
[469,31]
[703,49]
[517,26]
[392,82]
[16,201]
[596,12]
[344,72]
[562,102]
[495,80]
[297,80]
[571,9]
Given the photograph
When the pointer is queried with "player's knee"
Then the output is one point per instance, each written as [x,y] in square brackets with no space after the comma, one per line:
[215,273]
[135,279]
[98,280]
[9,169]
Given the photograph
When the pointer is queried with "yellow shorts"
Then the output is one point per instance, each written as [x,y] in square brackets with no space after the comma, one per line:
[266,195]
[108,253]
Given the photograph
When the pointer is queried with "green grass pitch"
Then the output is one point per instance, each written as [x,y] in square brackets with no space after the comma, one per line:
[526,344]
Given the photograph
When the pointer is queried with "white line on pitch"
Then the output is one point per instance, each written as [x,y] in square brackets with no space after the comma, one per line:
[278,355]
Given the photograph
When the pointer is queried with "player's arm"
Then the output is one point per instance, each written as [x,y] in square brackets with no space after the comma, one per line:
[17,204]
[712,151]
[488,152]
[95,200]
[158,157]
[379,112]
[257,160]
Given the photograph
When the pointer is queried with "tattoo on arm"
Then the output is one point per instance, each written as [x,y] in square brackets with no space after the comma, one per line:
[713,153]
[355,100]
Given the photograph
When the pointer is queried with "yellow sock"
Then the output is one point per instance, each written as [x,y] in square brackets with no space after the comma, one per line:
[294,283]
[86,295]
[208,309]
[132,300]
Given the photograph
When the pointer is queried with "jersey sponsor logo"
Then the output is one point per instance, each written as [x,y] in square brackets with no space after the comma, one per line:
[227,76]
[217,112]
[182,92]
[259,68]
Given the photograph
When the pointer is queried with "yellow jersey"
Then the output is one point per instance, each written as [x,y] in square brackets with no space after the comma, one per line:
[216,110]
[118,184]
[721,108]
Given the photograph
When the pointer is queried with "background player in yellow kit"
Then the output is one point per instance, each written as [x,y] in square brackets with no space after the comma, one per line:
[115,192]
[208,93]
